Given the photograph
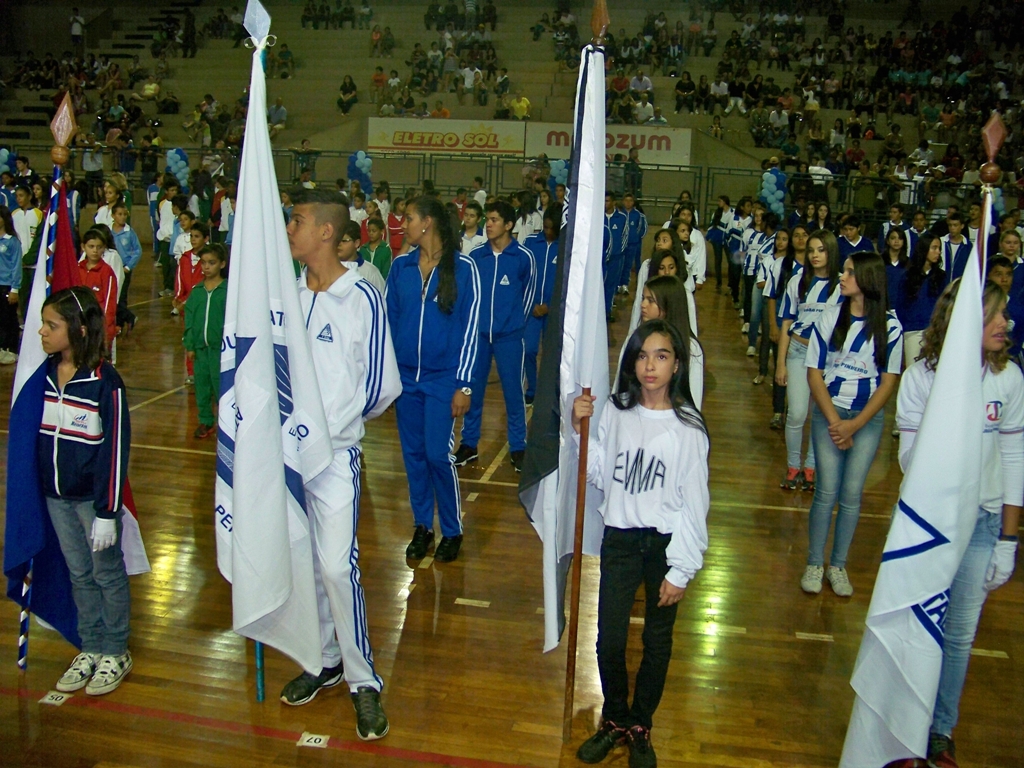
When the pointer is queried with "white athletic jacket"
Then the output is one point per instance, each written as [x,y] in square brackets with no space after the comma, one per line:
[352,353]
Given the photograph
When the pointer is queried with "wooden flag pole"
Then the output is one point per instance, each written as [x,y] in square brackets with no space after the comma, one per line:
[63,127]
[599,22]
[992,136]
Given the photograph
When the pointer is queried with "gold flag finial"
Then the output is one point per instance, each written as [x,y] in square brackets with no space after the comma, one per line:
[63,127]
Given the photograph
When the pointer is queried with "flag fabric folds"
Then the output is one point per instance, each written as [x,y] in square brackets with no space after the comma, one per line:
[575,355]
[272,433]
[896,676]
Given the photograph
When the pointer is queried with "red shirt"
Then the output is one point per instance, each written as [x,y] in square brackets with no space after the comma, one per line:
[188,275]
[395,233]
[103,283]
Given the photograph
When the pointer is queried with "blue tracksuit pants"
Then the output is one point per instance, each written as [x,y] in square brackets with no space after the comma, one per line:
[508,354]
[612,273]
[426,430]
[630,261]
[531,337]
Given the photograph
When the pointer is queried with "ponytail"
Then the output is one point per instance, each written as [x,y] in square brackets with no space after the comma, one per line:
[447,289]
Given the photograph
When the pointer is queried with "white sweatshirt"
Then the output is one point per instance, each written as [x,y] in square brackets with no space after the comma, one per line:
[653,470]
[352,354]
[1002,449]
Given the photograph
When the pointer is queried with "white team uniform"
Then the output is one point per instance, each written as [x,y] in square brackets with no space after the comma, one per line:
[358,378]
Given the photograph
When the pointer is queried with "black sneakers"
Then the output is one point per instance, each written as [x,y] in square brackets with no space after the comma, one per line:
[596,748]
[371,722]
[448,549]
[517,460]
[641,752]
[422,541]
[465,454]
[304,688]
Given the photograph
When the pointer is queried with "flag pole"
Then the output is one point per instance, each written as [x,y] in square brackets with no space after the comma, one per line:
[599,22]
[63,127]
[992,136]
[261,688]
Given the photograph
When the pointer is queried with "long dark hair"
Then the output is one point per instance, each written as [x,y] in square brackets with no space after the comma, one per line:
[869,270]
[8,220]
[673,300]
[832,246]
[789,261]
[883,247]
[916,276]
[677,254]
[628,392]
[447,289]
[78,307]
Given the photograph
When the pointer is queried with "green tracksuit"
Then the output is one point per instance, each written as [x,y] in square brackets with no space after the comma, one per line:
[204,328]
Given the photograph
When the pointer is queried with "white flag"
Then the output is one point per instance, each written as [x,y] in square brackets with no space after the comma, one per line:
[896,676]
[550,500]
[272,432]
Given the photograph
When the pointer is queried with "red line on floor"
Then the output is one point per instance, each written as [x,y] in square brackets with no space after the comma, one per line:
[342,745]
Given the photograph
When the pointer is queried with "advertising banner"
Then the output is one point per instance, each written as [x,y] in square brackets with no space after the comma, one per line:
[477,137]
[657,144]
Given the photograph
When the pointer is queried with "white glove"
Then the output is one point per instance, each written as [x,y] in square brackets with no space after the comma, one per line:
[1000,567]
[104,534]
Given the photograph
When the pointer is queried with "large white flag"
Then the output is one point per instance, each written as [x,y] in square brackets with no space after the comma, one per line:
[549,492]
[272,433]
[896,676]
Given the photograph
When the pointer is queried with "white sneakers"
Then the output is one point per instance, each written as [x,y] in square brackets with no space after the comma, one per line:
[810,582]
[98,674]
[7,357]
[751,351]
[839,580]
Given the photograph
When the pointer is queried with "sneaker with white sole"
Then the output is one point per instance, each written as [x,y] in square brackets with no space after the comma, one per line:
[77,675]
[110,671]
[840,581]
[751,351]
[745,328]
[810,582]
[371,722]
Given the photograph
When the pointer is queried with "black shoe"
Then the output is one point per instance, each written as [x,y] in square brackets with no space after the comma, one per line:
[422,541]
[596,748]
[517,460]
[448,549]
[641,752]
[528,399]
[304,688]
[465,454]
[371,722]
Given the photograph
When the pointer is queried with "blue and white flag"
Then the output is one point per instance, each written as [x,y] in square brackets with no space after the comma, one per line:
[547,490]
[272,433]
[896,676]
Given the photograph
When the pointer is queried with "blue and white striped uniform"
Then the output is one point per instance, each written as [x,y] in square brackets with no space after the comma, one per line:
[804,312]
[760,247]
[851,373]
[436,353]
[358,379]
[734,236]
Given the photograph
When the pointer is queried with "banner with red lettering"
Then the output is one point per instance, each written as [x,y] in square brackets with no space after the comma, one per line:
[480,137]
[660,144]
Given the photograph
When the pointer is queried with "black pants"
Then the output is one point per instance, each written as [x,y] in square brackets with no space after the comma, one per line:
[8,322]
[735,273]
[631,557]
[124,315]
[764,345]
[719,249]
[748,294]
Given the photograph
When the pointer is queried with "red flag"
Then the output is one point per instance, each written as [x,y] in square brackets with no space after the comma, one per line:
[65,263]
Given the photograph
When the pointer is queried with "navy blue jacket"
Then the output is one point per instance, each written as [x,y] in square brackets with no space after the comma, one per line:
[430,345]
[507,284]
[545,259]
[616,234]
[82,448]
[915,314]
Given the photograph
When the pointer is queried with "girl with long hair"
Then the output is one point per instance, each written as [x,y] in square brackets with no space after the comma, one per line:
[805,297]
[433,299]
[668,257]
[853,360]
[785,266]
[918,292]
[895,255]
[655,516]
[823,218]
[988,561]
[781,248]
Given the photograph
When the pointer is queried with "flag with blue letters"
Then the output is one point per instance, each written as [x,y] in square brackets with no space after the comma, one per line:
[576,356]
[896,676]
[272,433]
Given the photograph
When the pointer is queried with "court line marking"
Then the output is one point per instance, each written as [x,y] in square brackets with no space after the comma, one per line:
[536,729]
[426,562]
[472,497]
[472,603]
[819,636]
[168,393]
[989,654]
[735,505]
[143,303]
[494,464]
[279,734]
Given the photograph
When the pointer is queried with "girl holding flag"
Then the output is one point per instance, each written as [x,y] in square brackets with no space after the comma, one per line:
[989,559]
[82,454]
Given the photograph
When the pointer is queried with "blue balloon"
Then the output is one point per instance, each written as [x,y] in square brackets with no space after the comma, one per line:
[4,168]
[360,155]
[4,155]
[780,195]
[766,175]
[997,192]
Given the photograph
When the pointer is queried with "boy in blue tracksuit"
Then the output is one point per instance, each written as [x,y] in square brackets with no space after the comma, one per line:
[153,195]
[636,231]
[616,236]
[544,247]
[507,284]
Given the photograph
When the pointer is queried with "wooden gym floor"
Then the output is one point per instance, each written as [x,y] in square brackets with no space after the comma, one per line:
[760,671]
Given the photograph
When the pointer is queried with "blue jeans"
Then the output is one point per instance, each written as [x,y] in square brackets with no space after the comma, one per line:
[756,301]
[798,397]
[967,596]
[99,581]
[840,476]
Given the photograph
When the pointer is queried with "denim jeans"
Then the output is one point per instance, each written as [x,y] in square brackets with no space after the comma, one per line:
[841,475]
[756,306]
[967,596]
[99,582]
[798,397]
[631,557]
